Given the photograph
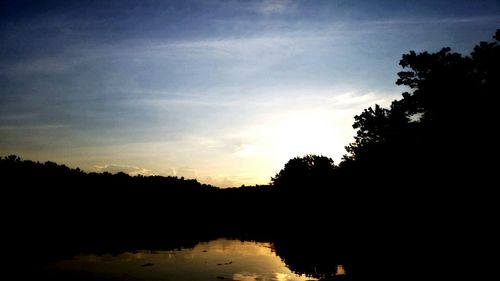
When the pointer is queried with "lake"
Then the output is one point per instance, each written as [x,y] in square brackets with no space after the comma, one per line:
[221,259]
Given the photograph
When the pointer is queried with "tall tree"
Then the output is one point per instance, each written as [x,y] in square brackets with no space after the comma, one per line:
[442,122]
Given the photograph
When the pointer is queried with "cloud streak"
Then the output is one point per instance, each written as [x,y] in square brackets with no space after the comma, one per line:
[127,169]
[270,7]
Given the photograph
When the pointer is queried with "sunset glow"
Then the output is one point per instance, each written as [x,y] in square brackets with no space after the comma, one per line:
[222,92]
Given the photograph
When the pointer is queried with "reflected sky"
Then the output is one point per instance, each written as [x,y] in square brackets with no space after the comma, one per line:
[220,259]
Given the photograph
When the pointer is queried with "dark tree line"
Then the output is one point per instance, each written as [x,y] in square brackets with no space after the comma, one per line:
[20,171]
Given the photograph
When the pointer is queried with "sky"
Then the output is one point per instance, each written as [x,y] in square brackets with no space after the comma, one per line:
[222,91]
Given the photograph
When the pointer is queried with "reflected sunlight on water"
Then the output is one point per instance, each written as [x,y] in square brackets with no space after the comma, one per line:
[220,259]
[340,270]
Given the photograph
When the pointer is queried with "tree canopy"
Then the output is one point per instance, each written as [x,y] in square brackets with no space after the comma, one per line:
[446,117]
[443,126]
[309,170]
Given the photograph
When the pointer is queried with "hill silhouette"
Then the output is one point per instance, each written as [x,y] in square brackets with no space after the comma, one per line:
[415,192]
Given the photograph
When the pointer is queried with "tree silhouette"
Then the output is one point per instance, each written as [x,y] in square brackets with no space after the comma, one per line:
[309,171]
[442,122]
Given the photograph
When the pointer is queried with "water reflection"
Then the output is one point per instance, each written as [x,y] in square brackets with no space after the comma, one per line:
[220,259]
[340,270]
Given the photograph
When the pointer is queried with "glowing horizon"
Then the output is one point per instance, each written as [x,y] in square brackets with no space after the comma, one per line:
[222,91]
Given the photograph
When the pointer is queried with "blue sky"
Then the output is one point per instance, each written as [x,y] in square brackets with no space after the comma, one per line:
[224,91]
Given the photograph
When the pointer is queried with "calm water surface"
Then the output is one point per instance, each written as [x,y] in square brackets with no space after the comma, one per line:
[220,259]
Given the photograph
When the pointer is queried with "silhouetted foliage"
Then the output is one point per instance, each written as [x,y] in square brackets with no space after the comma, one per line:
[442,124]
[13,167]
[421,168]
[307,172]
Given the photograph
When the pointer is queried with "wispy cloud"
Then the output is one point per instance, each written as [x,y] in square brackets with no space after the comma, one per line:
[352,100]
[252,52]
[131,170]
[49,65]
[398,22]
[24,127]
[233,45]
[269,7]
